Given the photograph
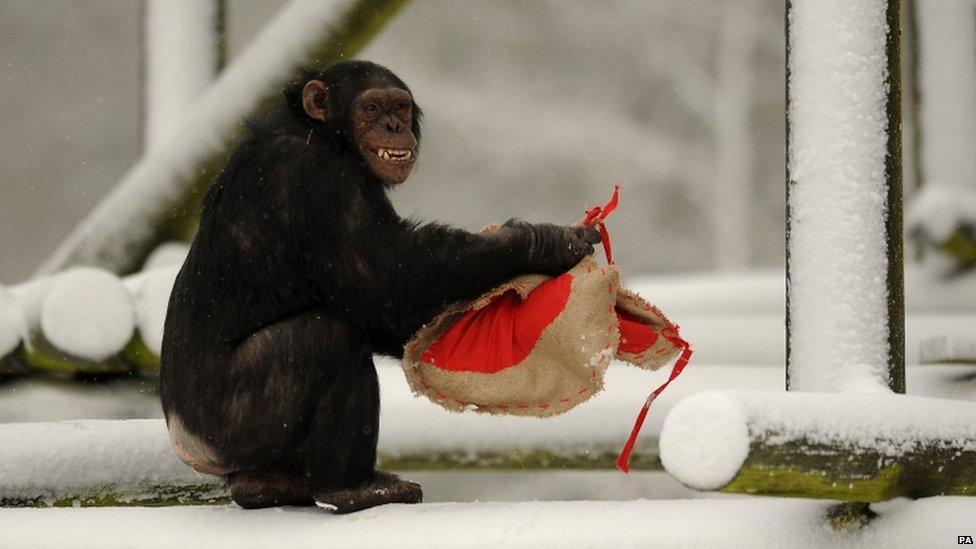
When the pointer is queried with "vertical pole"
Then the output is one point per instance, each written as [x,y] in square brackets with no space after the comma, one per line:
[894,226]
[183,53]
[845,284]
[789,214]
[911,95]
[732,116]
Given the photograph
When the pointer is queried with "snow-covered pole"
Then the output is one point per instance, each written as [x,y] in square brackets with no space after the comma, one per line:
[847,447]
[158,198]
[183,55]
[845,288]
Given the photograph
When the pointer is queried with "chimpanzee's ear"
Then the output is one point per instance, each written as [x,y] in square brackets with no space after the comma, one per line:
[315,100]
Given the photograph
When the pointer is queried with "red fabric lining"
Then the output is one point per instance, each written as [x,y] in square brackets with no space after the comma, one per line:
[501,334]
[635,336]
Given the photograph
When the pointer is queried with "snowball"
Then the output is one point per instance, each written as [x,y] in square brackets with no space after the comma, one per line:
[166,254]
[152,301]
[13,328]
[705,439]
[88,313]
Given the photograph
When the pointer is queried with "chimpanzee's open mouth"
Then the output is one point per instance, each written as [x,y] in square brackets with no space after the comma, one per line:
[397,155]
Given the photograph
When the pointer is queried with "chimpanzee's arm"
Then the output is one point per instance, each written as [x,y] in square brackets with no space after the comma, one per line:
[440,265]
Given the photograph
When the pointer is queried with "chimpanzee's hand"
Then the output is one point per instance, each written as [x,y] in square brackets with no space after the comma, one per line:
[554,249]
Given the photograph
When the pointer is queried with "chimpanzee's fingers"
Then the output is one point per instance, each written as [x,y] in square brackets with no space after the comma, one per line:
[588,235]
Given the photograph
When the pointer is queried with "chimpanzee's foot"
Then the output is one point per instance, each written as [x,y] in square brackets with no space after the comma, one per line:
[382,488]
[259,489]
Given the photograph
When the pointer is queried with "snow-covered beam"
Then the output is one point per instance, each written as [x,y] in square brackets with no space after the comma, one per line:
[845,295]
[96,463]
[866,448]
[158,198]
[86,320]
[183,54]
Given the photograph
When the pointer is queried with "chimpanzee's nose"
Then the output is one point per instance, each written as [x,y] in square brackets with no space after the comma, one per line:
[394,125]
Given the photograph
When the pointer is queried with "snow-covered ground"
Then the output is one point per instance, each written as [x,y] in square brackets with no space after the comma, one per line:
[745,523]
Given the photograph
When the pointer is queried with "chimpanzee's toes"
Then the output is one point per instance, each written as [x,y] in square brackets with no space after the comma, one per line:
[257,490]
[383,488]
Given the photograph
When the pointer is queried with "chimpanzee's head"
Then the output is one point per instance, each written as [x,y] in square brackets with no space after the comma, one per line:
[370,109]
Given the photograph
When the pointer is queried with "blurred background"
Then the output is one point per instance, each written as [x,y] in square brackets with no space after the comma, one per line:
[534,109]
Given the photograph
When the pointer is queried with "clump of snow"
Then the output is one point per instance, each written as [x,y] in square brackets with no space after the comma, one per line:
[166,255]
[30,296]
[705,440]
[181,60]
[695,445]
[939,209]
[88,313]
[152,301]
[13,328]
[837,193]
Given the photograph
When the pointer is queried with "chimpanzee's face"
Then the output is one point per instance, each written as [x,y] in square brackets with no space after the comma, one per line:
[379,121]
[382,119]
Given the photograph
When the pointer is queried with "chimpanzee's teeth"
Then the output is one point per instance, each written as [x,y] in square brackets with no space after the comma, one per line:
[394,154]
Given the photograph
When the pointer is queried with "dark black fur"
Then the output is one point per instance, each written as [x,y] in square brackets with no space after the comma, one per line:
[299,272]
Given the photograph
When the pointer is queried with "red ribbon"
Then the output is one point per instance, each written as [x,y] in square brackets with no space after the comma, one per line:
[623,462]
[595,217]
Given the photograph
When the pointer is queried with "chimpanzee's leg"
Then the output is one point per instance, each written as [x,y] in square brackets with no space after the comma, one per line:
[302,418]
[342,445]
[275,379]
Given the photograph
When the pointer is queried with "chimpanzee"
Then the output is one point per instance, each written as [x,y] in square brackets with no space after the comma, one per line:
[300,271]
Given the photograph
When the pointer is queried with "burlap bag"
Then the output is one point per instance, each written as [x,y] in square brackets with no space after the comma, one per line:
[564,367]
[539,346]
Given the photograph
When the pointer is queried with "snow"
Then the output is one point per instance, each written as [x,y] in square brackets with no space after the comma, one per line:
[30,296]
[13,328]
[938,209]
[837,193]
[152,301]
[181,60]
[49,460]
[732,318]
[702,438]
[88,313]
[131,211]
[166,255]
[763,292]
[734,523]
[957,347]
[714,463]
[410,425]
